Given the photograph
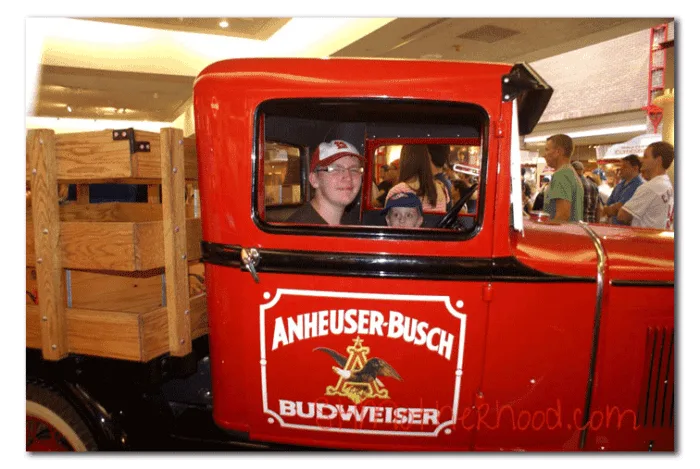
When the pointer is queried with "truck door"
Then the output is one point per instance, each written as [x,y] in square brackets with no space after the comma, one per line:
[357,335]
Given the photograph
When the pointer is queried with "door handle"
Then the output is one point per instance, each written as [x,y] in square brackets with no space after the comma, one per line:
[250,258]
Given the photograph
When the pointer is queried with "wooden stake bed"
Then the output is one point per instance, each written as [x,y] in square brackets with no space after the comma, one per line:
[119,279]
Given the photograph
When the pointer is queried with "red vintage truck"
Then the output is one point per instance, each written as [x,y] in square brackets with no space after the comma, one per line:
[479,331]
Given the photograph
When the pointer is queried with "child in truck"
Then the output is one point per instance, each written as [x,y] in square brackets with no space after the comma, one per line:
[403,210]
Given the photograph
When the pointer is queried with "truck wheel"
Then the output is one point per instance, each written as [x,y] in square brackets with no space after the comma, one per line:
[53,424]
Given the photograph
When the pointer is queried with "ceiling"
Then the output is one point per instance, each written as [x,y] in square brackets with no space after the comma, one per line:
[90,77]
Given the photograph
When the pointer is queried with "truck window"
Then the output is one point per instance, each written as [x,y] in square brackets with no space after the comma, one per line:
[291,130]
[282,167]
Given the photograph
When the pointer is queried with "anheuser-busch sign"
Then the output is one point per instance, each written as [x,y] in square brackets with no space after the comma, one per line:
[361,362]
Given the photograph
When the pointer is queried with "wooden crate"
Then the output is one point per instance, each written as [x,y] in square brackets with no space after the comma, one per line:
[98,156]
[114,236]
[118,280]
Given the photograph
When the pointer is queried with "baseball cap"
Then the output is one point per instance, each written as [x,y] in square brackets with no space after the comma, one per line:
[403,199]
[328,152]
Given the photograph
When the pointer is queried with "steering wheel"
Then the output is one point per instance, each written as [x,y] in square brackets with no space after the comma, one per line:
[450,218]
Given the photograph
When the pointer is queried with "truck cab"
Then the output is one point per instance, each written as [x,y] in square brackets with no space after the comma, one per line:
[478,330]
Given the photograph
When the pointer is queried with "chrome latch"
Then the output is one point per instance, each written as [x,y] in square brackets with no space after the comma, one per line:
[251,258]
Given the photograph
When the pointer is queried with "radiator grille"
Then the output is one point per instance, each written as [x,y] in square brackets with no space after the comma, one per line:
[656,407]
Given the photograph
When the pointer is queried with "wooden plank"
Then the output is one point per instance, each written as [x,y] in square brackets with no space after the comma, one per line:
[199,321]
[155,330]
[154,194]
[92,155]
[46,235]
[82,193]
[33,327]
[31,287]
[114,334]
[92,332]
[105,333]
[175,240]
[109,246]
[112,211]
[116,245]
[147,164]
[108,292]
[191,169]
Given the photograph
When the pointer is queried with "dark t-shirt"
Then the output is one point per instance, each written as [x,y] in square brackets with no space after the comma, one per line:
[308,214]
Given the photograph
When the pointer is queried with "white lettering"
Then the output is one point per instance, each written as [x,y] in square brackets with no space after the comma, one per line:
[352,413]
[395,325]
[433,332]
[351,326]
[287,408]
[445,344]
[375,326]
[337,321]
[430,416]
[363,322]
[296,329]
[310,325]
[279,334]
[346,415]
[332,409]
[322,323]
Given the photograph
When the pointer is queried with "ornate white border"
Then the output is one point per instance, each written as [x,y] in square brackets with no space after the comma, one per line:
[372,296]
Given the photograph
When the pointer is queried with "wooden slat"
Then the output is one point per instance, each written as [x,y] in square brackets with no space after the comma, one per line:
[42,158]
[92,155]
[191,170]
[33,327]
[88,245]
[82,193]
[108,292]
[105,333]
[31,286]
[113,334]
[154,194]
[175,240]
[199,323]
[116,245]
[112,211]
[155,330]
[147,164]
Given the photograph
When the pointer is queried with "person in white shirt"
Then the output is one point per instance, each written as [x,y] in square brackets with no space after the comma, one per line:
[651,206]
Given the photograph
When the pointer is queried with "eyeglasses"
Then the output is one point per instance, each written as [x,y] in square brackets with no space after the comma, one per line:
[337,170]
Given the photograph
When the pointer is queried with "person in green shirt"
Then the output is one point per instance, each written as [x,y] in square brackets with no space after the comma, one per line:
[563,200]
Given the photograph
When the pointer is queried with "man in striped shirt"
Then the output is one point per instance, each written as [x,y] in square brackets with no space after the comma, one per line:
[591,201]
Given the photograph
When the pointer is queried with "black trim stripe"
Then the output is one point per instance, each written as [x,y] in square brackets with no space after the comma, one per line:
[504,269]
[642,283]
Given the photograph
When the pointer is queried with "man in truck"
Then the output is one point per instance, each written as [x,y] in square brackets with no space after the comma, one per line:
[336,175]
[564,197]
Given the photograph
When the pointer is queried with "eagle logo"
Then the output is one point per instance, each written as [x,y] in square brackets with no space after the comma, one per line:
[358,378]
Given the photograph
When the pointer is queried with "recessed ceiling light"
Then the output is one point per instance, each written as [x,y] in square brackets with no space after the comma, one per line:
[223,24]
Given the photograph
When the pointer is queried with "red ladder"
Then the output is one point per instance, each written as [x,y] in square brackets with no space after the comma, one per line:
[657,72]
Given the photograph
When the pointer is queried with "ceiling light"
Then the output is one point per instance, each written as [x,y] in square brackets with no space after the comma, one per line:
[594,132]
[69,109]
[223,24]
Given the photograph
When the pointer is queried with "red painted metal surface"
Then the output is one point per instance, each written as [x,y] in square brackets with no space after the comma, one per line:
[520,351]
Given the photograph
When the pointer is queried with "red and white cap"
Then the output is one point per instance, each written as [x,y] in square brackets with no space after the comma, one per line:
[327,153]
